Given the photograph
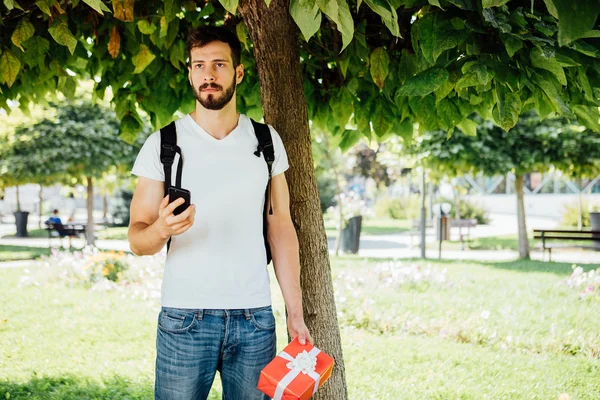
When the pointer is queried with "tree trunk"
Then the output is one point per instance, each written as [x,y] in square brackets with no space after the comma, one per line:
[523,241]
[18,199]
[580,206]
[41,192]
[89,232]
[105,208]
[275,39]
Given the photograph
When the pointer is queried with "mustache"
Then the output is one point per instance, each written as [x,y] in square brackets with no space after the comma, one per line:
[211,86]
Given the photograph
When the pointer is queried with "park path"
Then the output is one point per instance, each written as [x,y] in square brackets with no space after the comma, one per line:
[387,246]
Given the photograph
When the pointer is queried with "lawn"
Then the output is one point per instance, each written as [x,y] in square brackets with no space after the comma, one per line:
[414,330]
[14,253]
[374,226]
[505,242]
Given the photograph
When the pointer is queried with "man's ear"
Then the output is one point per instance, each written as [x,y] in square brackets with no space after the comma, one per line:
[239,73]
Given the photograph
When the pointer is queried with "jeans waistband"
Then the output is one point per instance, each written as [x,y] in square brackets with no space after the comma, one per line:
[200,312]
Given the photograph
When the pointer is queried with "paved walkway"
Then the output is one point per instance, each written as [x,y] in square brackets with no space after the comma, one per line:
[389,246]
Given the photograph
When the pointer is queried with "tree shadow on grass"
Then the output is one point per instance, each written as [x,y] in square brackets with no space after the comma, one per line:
[69,387]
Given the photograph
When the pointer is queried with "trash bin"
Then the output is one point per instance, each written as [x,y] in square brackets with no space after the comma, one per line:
[443,228]
[595,225]
[350,240]
[21,222]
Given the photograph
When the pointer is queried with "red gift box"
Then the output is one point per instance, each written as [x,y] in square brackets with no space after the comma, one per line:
[296,373]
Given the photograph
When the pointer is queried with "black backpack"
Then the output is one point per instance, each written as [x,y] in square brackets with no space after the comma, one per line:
[168,149]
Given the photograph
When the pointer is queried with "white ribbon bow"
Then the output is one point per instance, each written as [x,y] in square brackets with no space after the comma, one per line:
[303,363]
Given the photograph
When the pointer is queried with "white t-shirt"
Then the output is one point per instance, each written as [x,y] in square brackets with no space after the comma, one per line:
[220,262]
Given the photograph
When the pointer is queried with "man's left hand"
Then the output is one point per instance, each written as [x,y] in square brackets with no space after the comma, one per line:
[297,328]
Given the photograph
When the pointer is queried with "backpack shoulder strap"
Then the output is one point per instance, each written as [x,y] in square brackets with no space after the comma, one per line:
[265,144]
[168,149]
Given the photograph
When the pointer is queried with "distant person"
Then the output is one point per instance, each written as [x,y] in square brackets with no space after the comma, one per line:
[55,218]
[71,207]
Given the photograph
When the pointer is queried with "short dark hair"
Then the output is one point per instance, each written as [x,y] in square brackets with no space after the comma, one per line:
[201,36]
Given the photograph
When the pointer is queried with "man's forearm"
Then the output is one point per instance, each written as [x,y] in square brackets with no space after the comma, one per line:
[145,240]
[286,262]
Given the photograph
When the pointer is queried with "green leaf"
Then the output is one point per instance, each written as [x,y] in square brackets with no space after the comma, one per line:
[23,32]
[550,64]
[468,127]
[588,116]
[382,118]
[448,114]
[438,35]
[422,109]
[406,130]
[97,5]
[585,84]
[230,5]
[349,139]
[164,27]
[341,106]
[35,53]
[10,4]
[146,27]
[307,19]
[380,62]
[424,83]
[43,6]
[388,15]
[493,3]
[142,59]
[435,3]
[575,18]
[61,34]
[585,48]
[513,44]
[543,79]
[242,34]
[362,116]
[508,108]
[170,10]
[129,129]
[9,67]
[339,12]
[177,54]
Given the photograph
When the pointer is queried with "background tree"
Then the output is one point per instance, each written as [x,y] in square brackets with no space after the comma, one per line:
[385,64]
[532,145]
[79,145]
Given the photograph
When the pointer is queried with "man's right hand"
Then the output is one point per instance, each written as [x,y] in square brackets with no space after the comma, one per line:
[170,224]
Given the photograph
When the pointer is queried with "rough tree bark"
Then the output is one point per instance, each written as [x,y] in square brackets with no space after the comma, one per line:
[523,241]
[275,39]
[89,232]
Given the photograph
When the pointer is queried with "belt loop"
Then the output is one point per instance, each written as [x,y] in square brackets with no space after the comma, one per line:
[247,313]
[200,314]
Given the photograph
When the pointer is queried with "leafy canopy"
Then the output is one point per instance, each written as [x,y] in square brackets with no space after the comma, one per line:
[79,142]
[532,145]
[371,68]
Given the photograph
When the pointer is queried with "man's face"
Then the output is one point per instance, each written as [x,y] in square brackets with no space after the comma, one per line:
[213,76]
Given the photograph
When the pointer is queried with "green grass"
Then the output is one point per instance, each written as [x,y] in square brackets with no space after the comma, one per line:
[375,226]
[109,233]
[420,340]
[14,253]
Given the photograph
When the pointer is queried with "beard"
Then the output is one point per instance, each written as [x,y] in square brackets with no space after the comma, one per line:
[212,102]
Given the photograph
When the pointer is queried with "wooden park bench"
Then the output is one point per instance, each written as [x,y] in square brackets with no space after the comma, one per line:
[546,235]
[60,231]
[461,224]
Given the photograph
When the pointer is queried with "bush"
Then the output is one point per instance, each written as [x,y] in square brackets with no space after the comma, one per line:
[571,215]
[468,210]
[398,208]
[119,208]
[327,191]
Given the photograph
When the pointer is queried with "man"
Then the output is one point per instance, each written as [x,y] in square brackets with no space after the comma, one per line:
[216,306]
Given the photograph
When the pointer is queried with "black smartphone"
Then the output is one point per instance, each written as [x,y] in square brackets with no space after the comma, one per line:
[176,193]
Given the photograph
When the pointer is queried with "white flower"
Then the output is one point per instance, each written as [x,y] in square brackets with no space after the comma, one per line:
[485,314]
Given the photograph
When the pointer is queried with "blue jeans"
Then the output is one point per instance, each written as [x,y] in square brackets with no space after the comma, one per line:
[191,345]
